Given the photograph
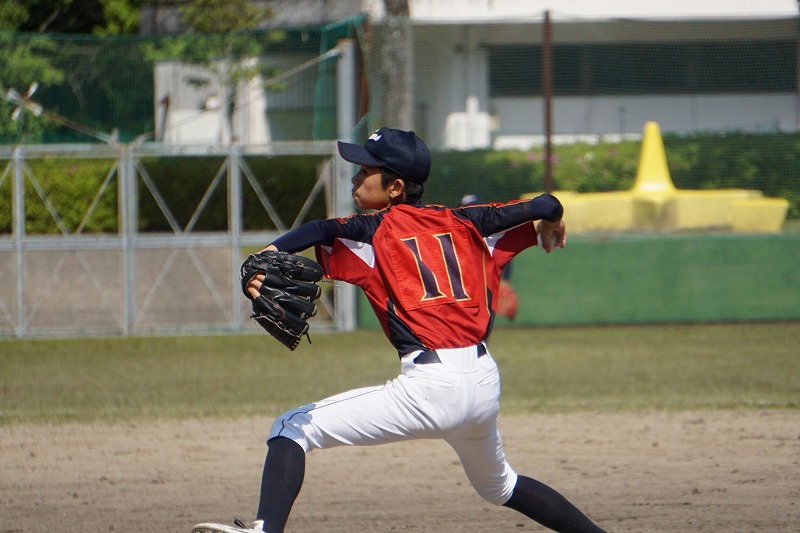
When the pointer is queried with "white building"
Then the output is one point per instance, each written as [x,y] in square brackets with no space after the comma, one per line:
[467,99]
[466,54]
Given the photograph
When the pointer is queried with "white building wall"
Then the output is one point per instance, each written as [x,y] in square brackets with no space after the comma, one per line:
[452,92]
[191,114]
[520,121]
[473,10]
[452,74]
[452,107]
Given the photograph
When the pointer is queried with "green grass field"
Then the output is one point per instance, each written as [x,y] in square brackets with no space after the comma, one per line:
[637,368]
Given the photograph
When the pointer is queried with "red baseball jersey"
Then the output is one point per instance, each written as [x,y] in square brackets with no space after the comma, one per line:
[431,273]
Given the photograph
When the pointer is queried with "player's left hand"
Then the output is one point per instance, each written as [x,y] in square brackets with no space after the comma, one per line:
[282,288]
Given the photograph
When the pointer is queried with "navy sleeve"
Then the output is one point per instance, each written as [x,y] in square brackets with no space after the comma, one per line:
[358,228]
[306,236]
[491,219]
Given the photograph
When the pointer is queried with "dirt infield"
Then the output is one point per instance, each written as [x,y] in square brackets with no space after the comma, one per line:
[681,472]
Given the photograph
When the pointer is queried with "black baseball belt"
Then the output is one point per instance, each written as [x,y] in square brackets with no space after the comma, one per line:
[429,357]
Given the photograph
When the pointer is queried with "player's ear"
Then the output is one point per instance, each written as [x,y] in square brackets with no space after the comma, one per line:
[397,190]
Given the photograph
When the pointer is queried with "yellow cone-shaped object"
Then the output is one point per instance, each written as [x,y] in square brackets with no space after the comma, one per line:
[653,173]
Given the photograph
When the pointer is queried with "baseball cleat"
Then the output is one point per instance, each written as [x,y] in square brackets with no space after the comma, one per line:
[238,527]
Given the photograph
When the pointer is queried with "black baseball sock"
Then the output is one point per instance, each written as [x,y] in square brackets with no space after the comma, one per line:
[284,470]
[539,502]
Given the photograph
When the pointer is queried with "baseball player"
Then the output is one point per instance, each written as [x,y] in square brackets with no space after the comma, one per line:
[431,274]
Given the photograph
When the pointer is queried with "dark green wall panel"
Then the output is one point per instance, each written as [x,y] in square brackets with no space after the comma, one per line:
[645,279]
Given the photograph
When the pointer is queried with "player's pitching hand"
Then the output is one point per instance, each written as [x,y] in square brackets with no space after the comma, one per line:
[552,235]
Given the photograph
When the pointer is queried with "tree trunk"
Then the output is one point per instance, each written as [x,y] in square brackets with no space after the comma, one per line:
[397,64]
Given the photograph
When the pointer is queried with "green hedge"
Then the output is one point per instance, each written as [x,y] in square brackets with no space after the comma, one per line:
[766,162]
[183,181]
[70,186]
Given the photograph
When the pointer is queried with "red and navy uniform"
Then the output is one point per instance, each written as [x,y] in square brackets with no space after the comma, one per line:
[431,273]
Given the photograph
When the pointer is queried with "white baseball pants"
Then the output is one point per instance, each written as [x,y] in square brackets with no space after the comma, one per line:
[456,400]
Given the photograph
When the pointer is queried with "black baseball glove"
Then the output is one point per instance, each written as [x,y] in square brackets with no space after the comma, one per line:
[285,302]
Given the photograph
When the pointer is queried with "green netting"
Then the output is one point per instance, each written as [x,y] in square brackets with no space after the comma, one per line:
[724,93]
[325,97]
[414,75]
[92,88]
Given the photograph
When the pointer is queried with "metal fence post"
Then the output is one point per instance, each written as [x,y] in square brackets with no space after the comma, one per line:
[127,227]
[235,225]
[18,223]
[346,295]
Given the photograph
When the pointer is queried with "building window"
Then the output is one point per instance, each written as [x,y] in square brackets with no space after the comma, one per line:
[647,68]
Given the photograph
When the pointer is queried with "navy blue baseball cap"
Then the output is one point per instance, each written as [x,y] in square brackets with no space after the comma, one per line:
[400,151]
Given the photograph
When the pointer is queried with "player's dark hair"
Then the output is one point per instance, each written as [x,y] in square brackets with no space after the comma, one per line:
[414,191]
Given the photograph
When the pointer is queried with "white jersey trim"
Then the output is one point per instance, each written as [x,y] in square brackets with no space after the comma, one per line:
[362,250]
[491,240]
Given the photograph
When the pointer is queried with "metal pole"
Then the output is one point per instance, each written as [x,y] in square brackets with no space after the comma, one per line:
[346,110]
[547,94]
[346,95]
[18,223]
[235,225]
[797,61]
[127,222]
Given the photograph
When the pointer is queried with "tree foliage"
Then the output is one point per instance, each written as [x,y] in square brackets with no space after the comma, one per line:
[28,59]
[223,16]
[23,64]
[101,17]
[121,17]
[12,15]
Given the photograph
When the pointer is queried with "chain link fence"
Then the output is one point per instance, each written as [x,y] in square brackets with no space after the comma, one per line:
[76,281]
